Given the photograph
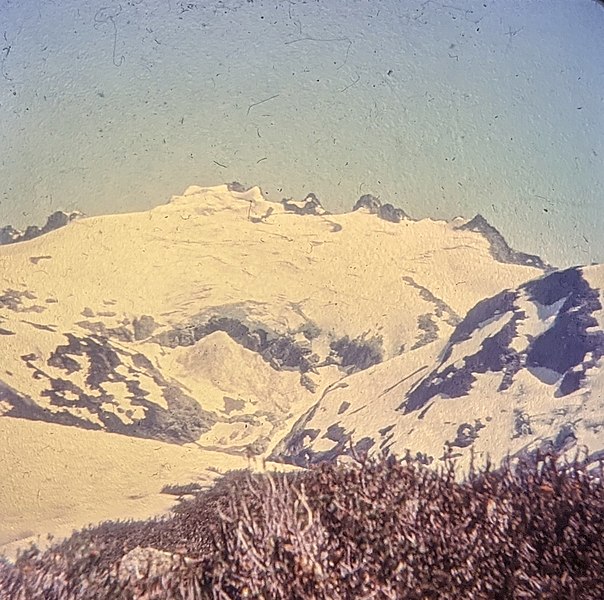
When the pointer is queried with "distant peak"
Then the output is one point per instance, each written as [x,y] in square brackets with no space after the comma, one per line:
[384,211]
[311,205]
[499,248]
[58,219]
[235,186]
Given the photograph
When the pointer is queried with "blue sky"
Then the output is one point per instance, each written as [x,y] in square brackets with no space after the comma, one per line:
[442,108]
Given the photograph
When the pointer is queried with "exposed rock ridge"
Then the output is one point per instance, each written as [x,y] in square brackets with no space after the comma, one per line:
[281,350]
[311,205]
[500,250]
[384,211]
[560,356]
[523,367]
[89,405]
[58,219]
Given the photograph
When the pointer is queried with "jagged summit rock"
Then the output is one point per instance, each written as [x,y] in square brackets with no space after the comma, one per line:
[384,211]
[500,250]
[369,202]
[235,186]
[10,235]
[309,206]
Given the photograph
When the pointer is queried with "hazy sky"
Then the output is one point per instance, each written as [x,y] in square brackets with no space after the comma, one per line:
[443,108]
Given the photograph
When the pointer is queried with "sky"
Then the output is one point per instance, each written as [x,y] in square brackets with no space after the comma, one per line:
[443,108]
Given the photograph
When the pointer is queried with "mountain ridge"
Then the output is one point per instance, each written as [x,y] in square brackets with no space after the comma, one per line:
[219,321]
[311,205]
[539,346]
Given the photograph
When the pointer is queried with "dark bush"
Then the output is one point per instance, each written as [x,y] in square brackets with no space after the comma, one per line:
[383,529]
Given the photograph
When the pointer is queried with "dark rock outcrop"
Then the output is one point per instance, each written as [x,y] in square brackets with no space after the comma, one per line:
[560,356]
[392,214]
[9,235]
[564,346]
[100,362]
[357,354]
[143,326]
[368,201]
[500,250]
[384,211]
[282,352]
[58,219]
[309,206]
[235,186]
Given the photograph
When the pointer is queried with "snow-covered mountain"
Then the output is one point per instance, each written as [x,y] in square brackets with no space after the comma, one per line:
[217,317]
[522,371]
[224,325]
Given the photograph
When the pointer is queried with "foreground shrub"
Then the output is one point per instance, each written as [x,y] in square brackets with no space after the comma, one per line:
[382,529]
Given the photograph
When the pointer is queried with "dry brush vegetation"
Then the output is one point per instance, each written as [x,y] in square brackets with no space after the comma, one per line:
[380,529]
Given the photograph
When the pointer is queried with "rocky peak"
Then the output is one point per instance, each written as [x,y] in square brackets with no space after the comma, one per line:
[500,250]
[311,205]
[59,218]
[388,212]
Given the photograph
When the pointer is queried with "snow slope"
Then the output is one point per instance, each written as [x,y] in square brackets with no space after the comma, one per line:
[522,371]
[215,322]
